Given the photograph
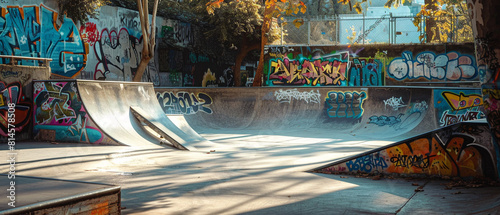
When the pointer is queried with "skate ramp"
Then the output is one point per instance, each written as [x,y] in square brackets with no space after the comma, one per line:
[109,108]
[359,112]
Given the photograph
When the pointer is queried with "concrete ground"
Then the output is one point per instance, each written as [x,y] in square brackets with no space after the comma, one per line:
[247,174]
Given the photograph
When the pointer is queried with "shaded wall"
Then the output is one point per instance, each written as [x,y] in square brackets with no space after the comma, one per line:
[107,48]
[16,90]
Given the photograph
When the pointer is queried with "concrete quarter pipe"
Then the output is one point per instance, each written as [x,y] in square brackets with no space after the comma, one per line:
[101,112]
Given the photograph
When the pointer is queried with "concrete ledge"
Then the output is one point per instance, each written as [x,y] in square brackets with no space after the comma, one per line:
[48,196]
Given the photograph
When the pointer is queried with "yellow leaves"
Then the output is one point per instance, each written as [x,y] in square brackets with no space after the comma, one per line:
[358,7]
[303,7]
[344,1]
[298,22]
[212,5]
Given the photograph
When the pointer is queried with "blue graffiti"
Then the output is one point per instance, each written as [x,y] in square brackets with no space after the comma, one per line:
[385,120]
[364,73]
[450,66]
[367,163]
[345,104]
[23,35]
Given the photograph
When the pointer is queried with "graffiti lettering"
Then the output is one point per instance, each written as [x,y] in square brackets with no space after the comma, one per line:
[184,103]
[288,95]
[364,73]
[183,33]
[119,55]
[198,58]
[307,72]
[22,35]
[89,33]
[418,161]
[395,103]
[448,119]
[450,66]
[420,107]
[385,120]
[367,163]
[345,104]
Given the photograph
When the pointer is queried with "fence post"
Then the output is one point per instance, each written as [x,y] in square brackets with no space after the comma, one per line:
[308,32]
[363,35]
[390,28]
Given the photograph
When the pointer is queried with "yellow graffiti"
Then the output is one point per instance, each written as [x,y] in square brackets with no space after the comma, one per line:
[461,101]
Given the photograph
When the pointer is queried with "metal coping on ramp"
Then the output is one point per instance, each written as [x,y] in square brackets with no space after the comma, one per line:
[55,196]
[142,116]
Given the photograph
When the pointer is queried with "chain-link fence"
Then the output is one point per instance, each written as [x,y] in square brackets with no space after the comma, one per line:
[355,29]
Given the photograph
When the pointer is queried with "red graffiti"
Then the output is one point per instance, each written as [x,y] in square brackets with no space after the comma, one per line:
[12,94]
[90,33]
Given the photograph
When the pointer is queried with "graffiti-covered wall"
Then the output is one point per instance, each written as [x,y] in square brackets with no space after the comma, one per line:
[463,150]
[59,114]
[107,48]
[369,65]
[15,98]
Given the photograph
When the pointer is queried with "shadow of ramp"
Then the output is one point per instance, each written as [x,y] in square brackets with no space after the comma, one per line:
[460,150]
[179,137]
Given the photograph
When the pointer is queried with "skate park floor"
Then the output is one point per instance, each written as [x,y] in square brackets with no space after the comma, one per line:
[248,172]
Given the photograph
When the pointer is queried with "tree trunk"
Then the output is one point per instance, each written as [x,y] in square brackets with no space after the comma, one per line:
[431,30]
[141,68]
[257,81]
[486,27]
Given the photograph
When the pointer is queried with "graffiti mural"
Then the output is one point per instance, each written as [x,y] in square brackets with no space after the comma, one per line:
[451,66]
[118,55]
[58,108]
[463,150]
[365,72]
[492,109]
[209,79]
[406,119]
[90,33]
[33,31]
[453,106]
[345,104]
[184,102]
[336,69]
[328,70]
[288,95]
[183,33]
[13,94]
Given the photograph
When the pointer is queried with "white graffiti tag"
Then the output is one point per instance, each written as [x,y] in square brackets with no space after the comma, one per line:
[288,95]
[420,107]
[395,103]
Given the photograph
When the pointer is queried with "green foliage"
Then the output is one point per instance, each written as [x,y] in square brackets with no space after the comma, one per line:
[234,20]
[80,10]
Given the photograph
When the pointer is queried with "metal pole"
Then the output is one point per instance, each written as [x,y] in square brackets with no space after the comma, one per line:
[395,29]
[363,32]
[308,32]
[390,28]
